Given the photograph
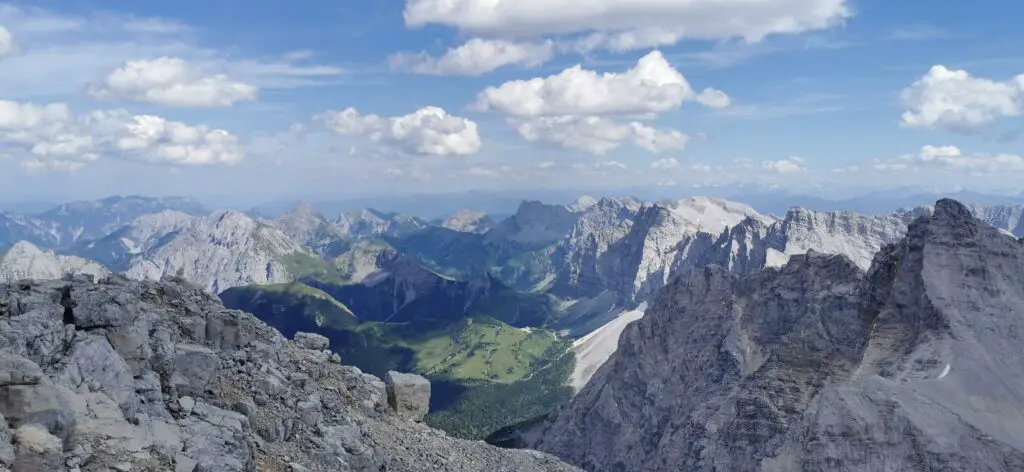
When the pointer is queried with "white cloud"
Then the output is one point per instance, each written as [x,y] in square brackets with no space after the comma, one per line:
[6,41]
[956,101]
[744,163]
[700,168]
[784,166]
[598,135]
[653,86]
[33,165]
[427,131]
[171,81]
[629,24]
[61,52]
[665,164]
[545,165]
[951,158]
[478,171]
[155,25]
[607,164]
[49,137]
[476,57]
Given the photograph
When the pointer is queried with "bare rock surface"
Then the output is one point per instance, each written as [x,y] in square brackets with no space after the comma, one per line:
[26,261]
[817,366]
[159,376]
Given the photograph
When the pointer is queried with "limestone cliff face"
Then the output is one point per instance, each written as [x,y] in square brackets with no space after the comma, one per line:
[856,236]
[467,221]
[304,225]
[585,270]
[367,223]
[159,376]
[817,366]
[535,224]
[222,250]
[26,261]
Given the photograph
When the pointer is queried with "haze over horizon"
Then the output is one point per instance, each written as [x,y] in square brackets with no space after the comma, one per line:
[423,96]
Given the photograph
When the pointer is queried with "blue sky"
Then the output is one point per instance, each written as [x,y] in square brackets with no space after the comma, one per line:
[220,98]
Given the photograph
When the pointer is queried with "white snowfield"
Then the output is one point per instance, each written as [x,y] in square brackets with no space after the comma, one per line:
[596,347]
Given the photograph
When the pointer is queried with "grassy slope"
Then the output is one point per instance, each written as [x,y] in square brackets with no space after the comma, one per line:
[477,411]
[486,374]
[302,265]
[277,304]
[441,301]
[465,256]
[480,349]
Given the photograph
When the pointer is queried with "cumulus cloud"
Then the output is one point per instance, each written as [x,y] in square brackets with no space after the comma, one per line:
[629,24]
[956,101]
[653,86]
[477,171]
[476,57]
[597,135]
[665,163]
[6,41]
[951,158]
[784,166]
[608,164]
[49,137]
[171,81]
[427,131]
[67,48]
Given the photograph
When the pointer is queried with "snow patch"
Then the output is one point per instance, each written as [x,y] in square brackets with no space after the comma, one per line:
[594,349]
[131,246]
[945,371]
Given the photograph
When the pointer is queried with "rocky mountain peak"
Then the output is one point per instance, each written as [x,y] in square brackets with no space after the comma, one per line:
[857,236]
[709,215]
[307,226]
[583,203]
[468,221]
[743,372]
[26,261]
[534,223]
[219,251]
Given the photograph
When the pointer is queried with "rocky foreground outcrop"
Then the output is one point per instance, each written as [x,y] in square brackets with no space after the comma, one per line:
[122,375]
[815,366]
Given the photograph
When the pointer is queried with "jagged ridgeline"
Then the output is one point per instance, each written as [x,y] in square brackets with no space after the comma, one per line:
[159,376]
[819,366]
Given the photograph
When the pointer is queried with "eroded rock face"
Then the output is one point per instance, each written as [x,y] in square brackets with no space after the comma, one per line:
[158,376]
[817,367]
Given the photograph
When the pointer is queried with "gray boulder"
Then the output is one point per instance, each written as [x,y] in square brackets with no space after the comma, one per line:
[195,367]
[408,395]
[36,450]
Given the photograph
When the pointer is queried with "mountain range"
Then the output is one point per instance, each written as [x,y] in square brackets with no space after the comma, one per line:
[395,291]
[818,365]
